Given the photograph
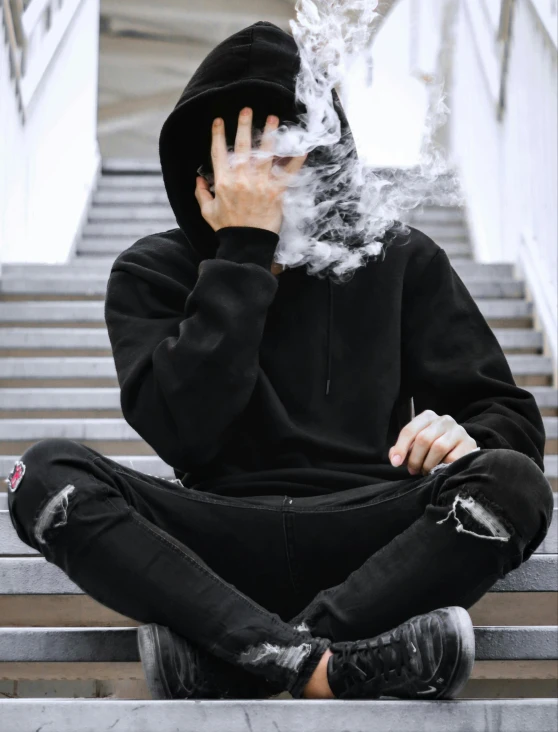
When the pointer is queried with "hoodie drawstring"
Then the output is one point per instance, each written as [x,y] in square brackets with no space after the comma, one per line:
[329,320]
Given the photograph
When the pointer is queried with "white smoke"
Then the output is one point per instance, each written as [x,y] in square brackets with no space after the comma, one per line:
[336,210]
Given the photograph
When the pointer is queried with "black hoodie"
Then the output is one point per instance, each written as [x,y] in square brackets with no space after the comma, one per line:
[250,383]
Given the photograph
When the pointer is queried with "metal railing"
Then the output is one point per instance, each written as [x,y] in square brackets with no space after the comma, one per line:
[34,29]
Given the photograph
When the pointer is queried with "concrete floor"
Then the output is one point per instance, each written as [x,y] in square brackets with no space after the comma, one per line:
[148,53]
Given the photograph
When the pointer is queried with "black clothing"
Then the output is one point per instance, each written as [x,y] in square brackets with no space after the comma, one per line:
[248,383]
[276,400]
[229,574]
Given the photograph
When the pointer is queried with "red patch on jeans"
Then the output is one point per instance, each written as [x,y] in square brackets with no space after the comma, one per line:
[15,477]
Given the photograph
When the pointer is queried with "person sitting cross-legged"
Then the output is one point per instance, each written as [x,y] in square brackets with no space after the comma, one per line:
[318,538]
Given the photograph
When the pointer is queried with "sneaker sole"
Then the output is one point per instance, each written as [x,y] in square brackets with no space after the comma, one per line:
[149,651]
[466,656]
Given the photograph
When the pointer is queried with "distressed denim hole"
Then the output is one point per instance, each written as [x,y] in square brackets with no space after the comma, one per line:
[467,510]
[55,508]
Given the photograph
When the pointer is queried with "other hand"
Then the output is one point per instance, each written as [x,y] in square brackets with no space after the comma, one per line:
[250,193]
[429,440]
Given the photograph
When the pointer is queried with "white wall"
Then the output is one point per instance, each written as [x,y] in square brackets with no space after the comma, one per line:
[475,139]
[530,163]
[509,166]
[49,163]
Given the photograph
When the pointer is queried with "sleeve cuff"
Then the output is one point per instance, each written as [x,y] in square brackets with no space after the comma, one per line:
[246,244]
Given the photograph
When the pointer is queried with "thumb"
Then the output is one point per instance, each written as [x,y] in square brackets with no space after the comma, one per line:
[202,193]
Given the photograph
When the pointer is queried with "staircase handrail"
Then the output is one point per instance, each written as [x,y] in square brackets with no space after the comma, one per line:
[31,51]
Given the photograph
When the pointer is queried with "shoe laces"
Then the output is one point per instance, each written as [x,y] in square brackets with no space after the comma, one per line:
[373,659]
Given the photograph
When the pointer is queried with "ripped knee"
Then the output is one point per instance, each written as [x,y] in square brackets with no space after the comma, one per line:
[53,514]
[478,517]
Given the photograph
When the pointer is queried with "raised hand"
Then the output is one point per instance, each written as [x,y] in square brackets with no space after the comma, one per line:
[250,192]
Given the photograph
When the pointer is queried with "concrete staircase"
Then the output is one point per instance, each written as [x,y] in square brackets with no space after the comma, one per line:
[57,378]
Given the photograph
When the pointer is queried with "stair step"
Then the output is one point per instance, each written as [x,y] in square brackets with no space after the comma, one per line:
[109,397]
[35,576]
[74,429]
[121,166]
[474,715]
[125,230]
[83,265]
[495,289]
[150,464]
[112,429]
[52,311]
[439,211]
[123,182]
[79,267]
[60,399]
[113,645]
[546,396]
[113,242]
[78,367]
[516,338]
[130,214]
[103,246]
[448,233]
[112,432]
[116,198]
[51,285]
[90,311]
[91,285]
[54,338]
[520,364]
[440,218]
[469,268]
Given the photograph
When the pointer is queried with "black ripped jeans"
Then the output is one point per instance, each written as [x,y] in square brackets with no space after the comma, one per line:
[240,576]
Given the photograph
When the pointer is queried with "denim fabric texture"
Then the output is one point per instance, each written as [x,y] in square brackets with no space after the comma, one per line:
[268,582]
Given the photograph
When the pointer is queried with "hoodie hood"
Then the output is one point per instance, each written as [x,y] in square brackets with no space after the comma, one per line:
[255,67]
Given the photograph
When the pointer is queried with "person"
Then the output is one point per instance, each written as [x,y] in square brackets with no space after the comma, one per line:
[317,538]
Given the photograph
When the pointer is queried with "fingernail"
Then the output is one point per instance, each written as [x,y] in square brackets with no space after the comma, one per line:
[396,460]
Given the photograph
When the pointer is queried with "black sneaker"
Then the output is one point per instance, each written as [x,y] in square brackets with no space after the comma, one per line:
[429,656]
[174,668]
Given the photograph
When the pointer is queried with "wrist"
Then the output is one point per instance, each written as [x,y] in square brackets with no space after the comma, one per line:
[246,245]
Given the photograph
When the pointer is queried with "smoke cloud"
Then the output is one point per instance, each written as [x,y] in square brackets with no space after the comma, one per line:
[337,210]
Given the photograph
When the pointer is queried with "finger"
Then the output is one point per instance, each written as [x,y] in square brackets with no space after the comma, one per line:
[264,163]
[295,164]
[408,434]
[449,443]
[463,448]
[243,140]
[453,444]
[202,192]
[219,156]
[285,173]
[427,449]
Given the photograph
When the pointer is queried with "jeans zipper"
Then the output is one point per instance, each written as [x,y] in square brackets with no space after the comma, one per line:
[288,519]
